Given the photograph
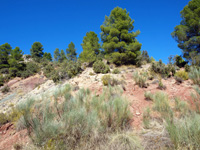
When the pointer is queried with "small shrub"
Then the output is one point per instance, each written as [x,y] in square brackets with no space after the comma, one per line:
[5,89]
[2,80]
[178,80]
[91,74]
[108,80]
[182,74]
[17,146]
[196,99]
[140,79]
[161,86]
[146,118]
[181,106]
[31,69]
[116,71]
[194,75]
[161,104]
[187,68]
[3,119]
[148,96]
[48,70]
[100,67]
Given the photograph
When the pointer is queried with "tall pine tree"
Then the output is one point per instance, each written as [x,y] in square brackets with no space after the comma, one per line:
[187,34]
[90,47]
[119,41]
[71,51]
[5,50]
[37,51]
[56,54]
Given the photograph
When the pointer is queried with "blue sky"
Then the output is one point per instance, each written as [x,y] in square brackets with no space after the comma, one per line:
[55,23]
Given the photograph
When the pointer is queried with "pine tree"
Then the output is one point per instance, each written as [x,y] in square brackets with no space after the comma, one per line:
[37,51]
[56,54]
[5,50]
[119,41]
[187,34]
[16,62]
[71,51]
[90,47]
[62,56]
[47,56]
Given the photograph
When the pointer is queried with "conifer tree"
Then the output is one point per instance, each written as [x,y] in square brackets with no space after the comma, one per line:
[5,50]
[47,56]
[56,54]
[90,47]
[16,62]
[37,51]
[62,56]
[187,34]
[71,51]
[119,41]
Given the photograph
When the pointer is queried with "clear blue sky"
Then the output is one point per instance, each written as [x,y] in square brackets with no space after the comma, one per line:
[55,23]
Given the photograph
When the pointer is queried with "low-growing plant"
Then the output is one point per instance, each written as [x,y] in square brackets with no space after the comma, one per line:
[108,80]
[194,75]
[5,89]
[48,70]
[184,133]
[31,69]
[161,86]
[69,121]
[116,71]
[3,119]
[140,79]
[148,96]
[146,117]
[181,106]
[187,68]
[161,104]
[182,74]
[178,80]
[196,99]
[91,74]
[100,67]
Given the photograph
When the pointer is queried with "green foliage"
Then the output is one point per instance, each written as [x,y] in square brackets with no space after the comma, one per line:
[161,104]
[140,79]
[16,62]
[5,50]
[116,71]
[62,56]
[145,57]
[184,133]
[100,67]
[5,89]
[146,117]
[162,69]
[187,33]
[181,106]
[76,120]
[2,80]
[31,69]
[37,51]
[182,74]
[196,99]
[187,68]
[194,75]
[71,51]
[179,61]
[48,70]
[47,56]
[3,119]
[56,54]
[108,80]
[161,86]
[148,96]
[90,47]
[119,41]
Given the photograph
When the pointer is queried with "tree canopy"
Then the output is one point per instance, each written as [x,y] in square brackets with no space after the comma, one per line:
[119,41]
[5,50]
[56,54]
[37,50]
[90,47]
[71,51]
[47,56]
[16,63]
[187,34]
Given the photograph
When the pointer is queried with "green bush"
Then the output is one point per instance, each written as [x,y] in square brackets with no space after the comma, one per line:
[48,70]
[77,120]
[140,79]
[31,69]
[108,80]
[161,86]
[184,133]
[116,71]
[148,95]
[182,74]
[196,99]
[187,68]
[5,89]
[100,67]
[146,117]
[3,119]
[162,69]
[194,75]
